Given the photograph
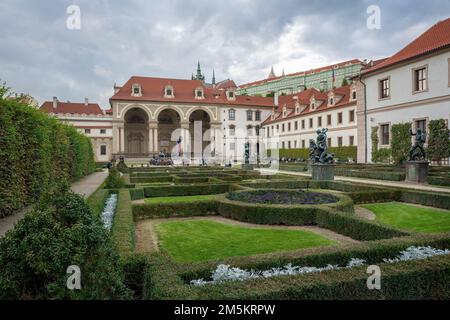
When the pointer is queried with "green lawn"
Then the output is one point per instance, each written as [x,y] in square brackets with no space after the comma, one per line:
[409,217]
[185,199]
[202,240]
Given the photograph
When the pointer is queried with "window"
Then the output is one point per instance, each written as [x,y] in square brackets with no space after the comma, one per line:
[278,128]
[258,115]
[168,92]
[232,115]
[102,131]
[283,145]
[319,121]
[340,118]
[87,131]
[199,93]
[329,142]
[331,101]
[339,141]
[232,131]
[257,129]
[249,131]
[351,141]
[354,95]
[289,144]
[296,125]
[289,127]
[249,115]
[103,150]
[385,135]
[303,144]
[136,90]
[303,124]
[329,120]
[282,127]
[268,132]
[232,146]
[231,94]
[311,123]
[420,80]
[421,124]
[351,115]
[385,90]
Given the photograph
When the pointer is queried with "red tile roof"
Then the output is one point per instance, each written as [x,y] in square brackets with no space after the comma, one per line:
[226,84]
[435,38]
[184,91]
[312,71]
[304,99]
[73,108]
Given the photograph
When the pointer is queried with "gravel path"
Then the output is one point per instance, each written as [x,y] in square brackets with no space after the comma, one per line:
[365,213]
[84,187]
[147,239]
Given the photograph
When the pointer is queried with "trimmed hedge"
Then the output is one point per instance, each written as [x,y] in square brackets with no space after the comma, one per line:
[379,175]
[123,232]
[156,179]
[339,153]
[439,180]
[39,154]
[137,194]
[438,200]
[167,280]
[169,210]
[186,190]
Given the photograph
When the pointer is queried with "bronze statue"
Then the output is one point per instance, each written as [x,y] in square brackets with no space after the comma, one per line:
[417,152]
[319,151]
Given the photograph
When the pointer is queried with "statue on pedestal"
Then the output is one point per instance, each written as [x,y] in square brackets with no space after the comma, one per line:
[417,152]
[319,150]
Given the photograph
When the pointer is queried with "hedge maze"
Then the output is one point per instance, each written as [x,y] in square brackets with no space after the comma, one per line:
[156,275]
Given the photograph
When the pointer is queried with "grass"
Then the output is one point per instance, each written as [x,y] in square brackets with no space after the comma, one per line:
[184,199]
[203,240]
[410,217]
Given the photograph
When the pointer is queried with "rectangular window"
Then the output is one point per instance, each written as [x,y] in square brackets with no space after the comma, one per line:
[340,118]
[420,80]
[303,124]
[311,123]
[232,146]
[258,115]
[296,125]
[268,132]
[282,127]
[303,144]
[385,135]
[87,131]
[319,121]
[103,150]
[329,120]
[282,145]
[102,131]
[249,131]
[329,142]
[289,127]
[257,129]
[249,115]
[232,131]
[295,144]
[351,115]
[278,128]
[289,144]
[232,115]
[351,141]
[422,125]
[384,90]
[339,141]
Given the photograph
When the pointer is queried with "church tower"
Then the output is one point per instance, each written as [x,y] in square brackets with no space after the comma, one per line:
[272,74]
[199,75]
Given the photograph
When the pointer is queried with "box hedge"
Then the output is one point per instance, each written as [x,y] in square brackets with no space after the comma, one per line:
[186,190]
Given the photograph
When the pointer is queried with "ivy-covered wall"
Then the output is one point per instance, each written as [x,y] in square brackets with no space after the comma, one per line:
[438,140]
[38,154]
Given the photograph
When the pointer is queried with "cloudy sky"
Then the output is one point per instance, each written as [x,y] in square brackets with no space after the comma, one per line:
[241,39]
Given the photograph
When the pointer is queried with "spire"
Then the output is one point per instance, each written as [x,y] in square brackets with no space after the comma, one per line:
[199,75]
[272,74]
[214,78]
[283,73]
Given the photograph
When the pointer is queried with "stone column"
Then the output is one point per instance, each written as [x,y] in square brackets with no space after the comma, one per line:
[122,139]
[155,140]
[185,136]
[152,127]
[216,140]
[116,148]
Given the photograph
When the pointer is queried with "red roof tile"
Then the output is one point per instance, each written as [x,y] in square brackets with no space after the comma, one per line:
[73,108]
[435,38]
[312,71]
[184,91]
[226,84]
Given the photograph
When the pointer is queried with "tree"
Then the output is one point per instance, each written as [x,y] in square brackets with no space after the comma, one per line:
[438,141]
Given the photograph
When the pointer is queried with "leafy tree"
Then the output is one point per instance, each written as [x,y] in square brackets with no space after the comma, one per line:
[438,141]
[59,233]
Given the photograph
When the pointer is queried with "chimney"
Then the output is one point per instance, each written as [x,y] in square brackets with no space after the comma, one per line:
[55,102]
[86,102]
[275,97]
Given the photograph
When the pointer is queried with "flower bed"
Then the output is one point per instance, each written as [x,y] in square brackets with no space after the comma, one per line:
[283,197]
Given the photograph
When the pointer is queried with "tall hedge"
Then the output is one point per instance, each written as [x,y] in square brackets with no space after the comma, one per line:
[38,153]
[401,142]
[438,141]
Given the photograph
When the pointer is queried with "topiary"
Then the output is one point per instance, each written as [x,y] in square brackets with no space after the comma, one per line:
[59,233]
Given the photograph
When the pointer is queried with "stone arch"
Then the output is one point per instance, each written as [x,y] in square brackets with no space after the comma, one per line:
[135,106]
[136,137]
[210,113]
[174,108]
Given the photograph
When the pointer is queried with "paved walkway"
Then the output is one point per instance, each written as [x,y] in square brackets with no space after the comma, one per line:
[84,187]
[399,184]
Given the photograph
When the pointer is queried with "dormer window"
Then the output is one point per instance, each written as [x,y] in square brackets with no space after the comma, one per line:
[284,112]
[230,95]
[136,90]
[168,92]
[199,93]
[354,95]
[313,104]
[331,101]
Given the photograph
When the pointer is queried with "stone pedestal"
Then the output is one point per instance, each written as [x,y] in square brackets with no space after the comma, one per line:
[416,171]
[322,172]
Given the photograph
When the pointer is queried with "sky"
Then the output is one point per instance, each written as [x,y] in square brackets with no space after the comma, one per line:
[240,39]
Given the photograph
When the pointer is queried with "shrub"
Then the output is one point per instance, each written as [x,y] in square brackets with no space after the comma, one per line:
[379,175]
[134,268]
[123,231]
[439,181]
[169,210]
[122,167]
[438,141]
[437,200]
[401,142]
[114,180]
[137,194]
[151,179]
[34,256]
[186,190]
